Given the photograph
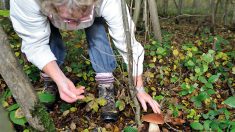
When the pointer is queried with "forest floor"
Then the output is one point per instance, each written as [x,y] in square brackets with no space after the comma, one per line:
[189,75]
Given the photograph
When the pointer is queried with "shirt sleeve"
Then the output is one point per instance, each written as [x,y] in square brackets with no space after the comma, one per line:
[34,30]
[112,12]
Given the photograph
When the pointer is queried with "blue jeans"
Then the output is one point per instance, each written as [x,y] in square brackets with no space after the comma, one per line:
[100,51]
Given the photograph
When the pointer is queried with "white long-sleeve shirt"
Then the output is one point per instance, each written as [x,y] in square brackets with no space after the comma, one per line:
[34,29]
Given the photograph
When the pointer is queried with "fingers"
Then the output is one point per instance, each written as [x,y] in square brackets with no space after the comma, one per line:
[67,98]
[153,105]
[143,103]
[80,97]
[69,93]
[77,91]
[157,107]
[145,98]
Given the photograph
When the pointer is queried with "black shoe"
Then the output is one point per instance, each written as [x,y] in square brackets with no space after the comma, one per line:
[109,112]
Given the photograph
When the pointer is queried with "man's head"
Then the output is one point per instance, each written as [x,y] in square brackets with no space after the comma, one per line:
[69,14]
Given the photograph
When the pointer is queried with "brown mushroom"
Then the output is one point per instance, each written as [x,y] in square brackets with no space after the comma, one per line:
[154,119]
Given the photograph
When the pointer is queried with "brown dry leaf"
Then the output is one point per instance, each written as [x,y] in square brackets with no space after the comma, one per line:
[73,126]
[168,116]
[178,121]
[116,129]
[108,127]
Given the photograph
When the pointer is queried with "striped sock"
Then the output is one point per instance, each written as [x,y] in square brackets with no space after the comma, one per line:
[104,78]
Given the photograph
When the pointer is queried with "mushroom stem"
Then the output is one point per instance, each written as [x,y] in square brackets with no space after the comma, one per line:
[153,127]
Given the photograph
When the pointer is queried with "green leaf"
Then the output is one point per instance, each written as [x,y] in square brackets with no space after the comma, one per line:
[184,86]
[13,107]
[205,116]
[120,104]
[152,65]
[196,126]
[102,101]
[20,121]
[230,101]
[89,98]
[205,68]
[45,97]
[197,70]
[202,96]
[203,88]
[26,130]
[210,91]
[159,98]
[85,130]
[130,129]
[152,53]
[209,85]
[227,114]
[4,13]
[183,93]
[95,106]
[161,51]
[211,51]
[190,63]
[198,104]
[208,58]
[202,79]
[214,78]
[207,125]
[174,79]
[73,109]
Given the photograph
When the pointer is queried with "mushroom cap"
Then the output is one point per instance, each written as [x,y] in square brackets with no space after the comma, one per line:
[153,118]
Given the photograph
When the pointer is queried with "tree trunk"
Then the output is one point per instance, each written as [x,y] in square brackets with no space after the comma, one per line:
[225,16]
[130,62]
[4,4]
[180,7]
[20,86]
[233,19]
[195,5]
[137,11]
[154,19]
[165,7]
[213,13]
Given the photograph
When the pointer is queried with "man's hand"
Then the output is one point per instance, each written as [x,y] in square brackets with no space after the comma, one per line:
[145,98]
[68,92]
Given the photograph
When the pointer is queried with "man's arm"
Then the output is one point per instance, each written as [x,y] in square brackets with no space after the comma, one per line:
[34,30]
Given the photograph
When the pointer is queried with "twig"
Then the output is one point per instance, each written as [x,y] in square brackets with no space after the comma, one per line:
[130,61]
[174,129]
[176,5]
[189,15]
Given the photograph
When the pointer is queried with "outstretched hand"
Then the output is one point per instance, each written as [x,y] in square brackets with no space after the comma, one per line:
[68,91]
[145,98]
